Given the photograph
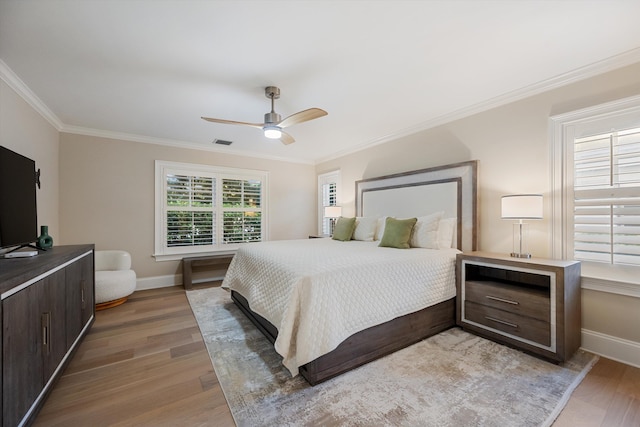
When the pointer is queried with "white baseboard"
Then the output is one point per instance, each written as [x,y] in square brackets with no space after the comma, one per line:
[611,347]
[156,282]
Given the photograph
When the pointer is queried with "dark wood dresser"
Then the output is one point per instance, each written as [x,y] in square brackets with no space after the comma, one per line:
[48,306]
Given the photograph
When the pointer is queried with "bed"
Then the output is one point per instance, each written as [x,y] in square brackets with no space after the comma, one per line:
[339,304]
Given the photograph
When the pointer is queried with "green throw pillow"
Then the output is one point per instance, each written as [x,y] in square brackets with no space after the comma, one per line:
[344,229]
[397,233]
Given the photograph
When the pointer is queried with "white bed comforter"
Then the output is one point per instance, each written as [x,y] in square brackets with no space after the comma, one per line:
[318,292]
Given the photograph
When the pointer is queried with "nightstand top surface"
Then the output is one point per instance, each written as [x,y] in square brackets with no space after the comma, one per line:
[491,256]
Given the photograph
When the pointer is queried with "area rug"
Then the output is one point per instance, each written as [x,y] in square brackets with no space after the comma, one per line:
[451,379]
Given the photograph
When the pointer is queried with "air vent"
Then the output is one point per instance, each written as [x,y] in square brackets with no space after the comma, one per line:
[222,142]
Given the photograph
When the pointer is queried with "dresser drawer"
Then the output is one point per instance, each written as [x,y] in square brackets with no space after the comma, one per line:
[515,324]
[521,300]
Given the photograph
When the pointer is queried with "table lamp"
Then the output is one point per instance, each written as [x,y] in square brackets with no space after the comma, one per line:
[521,207]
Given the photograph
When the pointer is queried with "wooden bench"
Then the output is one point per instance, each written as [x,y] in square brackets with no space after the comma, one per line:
[188,264]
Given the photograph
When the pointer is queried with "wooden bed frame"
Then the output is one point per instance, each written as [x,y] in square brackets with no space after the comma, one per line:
[386,338]
[368,345]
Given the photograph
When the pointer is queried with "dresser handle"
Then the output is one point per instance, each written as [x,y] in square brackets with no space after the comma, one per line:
[82,301]
[503,300]
[45,320]
[513,325]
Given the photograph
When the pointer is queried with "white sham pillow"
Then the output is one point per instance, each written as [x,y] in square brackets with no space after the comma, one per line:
[425,232]
[446,232]
[380,228]
[365,228]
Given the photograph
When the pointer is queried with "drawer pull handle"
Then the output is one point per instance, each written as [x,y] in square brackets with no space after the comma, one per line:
[82,300]
[45,321]
[513,325]
[503,300]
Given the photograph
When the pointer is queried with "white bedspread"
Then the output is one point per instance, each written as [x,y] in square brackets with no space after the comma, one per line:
[318,292]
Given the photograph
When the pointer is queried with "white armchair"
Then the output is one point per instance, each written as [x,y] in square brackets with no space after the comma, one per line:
[115,280]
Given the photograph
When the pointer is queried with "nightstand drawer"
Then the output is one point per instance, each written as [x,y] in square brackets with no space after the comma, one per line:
[525,301]
[511,323]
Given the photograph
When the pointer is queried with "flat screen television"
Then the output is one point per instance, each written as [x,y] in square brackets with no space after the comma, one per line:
[18,213]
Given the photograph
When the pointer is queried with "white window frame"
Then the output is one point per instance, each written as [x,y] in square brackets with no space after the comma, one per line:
[564,129]
[162,252]
[327,178]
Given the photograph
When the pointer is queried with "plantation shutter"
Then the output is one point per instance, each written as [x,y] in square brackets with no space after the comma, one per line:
[205,209]
[607,197]
[329,198]
[190,210]
[242,210]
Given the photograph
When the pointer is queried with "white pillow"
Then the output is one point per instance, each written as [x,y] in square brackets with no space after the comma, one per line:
[446,231]
[380,228]
[425,232]
[365,228]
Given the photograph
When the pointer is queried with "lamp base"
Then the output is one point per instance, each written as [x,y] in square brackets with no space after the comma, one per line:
[516,255]
[520,248]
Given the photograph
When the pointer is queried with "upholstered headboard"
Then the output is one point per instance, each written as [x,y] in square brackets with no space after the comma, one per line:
[449,188]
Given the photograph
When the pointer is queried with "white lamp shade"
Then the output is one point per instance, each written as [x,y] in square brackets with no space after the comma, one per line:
[332,211]
[522,206]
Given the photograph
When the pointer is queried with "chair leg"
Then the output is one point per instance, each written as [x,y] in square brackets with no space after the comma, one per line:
[109,304]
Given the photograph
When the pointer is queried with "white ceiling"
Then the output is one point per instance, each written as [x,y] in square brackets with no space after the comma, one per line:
[148,69]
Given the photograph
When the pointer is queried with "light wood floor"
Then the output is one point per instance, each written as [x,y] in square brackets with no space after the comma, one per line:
[144,364]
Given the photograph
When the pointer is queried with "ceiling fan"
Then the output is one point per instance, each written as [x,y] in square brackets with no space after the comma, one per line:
[273,124]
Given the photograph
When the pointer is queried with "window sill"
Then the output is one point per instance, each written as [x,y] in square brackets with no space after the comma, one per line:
[622,280]
[178,257]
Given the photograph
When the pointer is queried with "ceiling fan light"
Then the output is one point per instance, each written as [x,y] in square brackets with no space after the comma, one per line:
[272,132]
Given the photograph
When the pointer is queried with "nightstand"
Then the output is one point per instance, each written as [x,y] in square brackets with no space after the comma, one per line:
[531,304]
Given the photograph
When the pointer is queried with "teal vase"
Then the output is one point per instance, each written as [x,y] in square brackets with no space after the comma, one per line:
[44,241]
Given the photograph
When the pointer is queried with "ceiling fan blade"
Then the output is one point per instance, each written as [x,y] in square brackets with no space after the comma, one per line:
[232,122]
[302,116]
[286,139]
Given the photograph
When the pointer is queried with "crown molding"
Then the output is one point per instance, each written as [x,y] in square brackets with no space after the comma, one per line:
[618,61]
[78,130]
[14,82]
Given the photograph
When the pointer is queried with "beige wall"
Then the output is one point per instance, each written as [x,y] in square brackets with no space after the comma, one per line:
[611,314]
[26,132]
[512,145]
[107,195]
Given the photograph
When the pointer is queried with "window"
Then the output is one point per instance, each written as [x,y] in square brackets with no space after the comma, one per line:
[606,190]
[328,195]
[595,158]
[202,209]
